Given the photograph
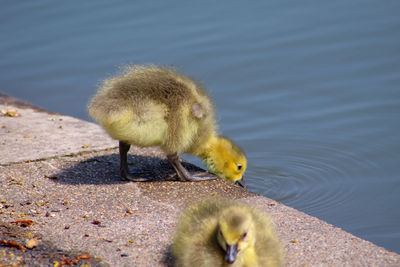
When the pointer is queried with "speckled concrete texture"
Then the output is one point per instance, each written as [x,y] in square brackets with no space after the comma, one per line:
[65,181]
[35,135]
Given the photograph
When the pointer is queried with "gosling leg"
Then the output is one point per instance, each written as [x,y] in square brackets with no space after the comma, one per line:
[183,174]
[124,169]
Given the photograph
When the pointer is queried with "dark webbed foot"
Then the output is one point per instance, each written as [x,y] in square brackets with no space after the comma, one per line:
[184,175]
[133,175]
[198,177]
[202,176]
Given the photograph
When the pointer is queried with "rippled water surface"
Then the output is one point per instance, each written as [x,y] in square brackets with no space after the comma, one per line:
[310,90]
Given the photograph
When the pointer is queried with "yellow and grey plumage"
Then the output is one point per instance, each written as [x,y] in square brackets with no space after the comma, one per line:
[221,232]
[154,106]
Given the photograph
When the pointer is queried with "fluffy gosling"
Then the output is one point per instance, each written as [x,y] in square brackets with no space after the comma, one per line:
[219,232]
[153,106]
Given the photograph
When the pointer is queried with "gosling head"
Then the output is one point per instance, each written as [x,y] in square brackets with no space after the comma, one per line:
[235,233]
[226,159]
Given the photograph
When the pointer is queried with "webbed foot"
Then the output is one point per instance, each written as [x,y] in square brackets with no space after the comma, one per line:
[200,176]
[184,175]
[134,175]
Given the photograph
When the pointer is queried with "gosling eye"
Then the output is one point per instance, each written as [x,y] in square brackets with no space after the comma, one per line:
[239,167]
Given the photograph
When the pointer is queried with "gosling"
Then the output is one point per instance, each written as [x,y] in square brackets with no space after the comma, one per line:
[154,106]
[221,232]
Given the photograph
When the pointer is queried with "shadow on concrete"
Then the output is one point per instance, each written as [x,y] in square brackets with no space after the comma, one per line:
[167,258]
[105,170]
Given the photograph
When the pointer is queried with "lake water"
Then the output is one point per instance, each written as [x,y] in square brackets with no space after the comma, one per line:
[309,89]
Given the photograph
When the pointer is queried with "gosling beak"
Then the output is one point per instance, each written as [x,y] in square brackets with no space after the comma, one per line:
[241,183]
[231,252]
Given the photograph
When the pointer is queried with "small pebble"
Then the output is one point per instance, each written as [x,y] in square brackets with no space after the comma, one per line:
[31,243]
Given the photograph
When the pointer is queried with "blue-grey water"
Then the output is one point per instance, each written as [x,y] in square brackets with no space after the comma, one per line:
[309,89]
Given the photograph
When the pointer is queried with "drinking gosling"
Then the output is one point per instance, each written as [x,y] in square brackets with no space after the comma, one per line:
[155,106]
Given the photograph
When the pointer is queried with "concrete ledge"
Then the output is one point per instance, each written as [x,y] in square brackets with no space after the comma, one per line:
[35,134]
[64,179]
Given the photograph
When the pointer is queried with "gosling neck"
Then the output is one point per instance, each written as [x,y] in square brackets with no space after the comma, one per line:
[249,256]
[206,150]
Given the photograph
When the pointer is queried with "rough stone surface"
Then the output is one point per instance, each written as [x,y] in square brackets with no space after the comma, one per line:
[35,134]
[65,180]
